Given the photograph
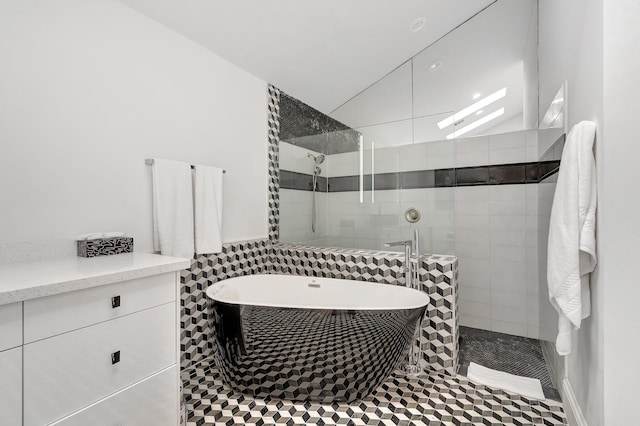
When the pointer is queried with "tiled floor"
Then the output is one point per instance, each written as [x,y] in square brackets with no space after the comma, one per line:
[426,400]
[512,354]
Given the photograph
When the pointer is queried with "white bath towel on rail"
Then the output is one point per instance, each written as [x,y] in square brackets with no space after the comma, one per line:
[572,242]
[208,209]
[172,208]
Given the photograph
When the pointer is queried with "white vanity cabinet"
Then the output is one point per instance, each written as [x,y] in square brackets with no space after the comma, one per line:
[101,349]
[11,364]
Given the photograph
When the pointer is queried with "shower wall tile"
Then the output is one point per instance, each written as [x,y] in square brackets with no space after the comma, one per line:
[475,309]
[509,328]
[475,294]
[472,158]
[345,164]
[474,322]
[489,231]
[496,236]
[295,159]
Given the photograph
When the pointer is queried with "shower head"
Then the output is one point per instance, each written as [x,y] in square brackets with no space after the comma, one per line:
[317,159]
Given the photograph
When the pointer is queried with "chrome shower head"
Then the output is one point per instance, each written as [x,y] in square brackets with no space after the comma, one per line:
[317,159]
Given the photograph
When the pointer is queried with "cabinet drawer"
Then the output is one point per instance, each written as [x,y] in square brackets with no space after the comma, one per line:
[153,401]
[53,315]
[10,326]
[11,387]
[68,372]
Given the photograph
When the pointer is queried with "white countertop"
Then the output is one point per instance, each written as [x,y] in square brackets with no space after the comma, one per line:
[32,279]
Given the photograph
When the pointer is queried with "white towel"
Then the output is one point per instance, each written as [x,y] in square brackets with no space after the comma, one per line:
[208,209]
[172,208]
[531,388]
[572,240]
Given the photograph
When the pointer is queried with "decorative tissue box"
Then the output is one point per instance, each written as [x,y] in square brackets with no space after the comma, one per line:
[105,246]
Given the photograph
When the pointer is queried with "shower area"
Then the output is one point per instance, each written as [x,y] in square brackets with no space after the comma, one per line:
[450,144]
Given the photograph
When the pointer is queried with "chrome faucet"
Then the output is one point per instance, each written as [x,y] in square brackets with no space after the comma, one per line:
[411,268]
[411,259]
[408,247]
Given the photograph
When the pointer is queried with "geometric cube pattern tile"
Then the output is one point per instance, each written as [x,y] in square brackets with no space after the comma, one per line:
[428,399]
[236,259]
[437,276]
[310,354]
[438,336]
[273,120]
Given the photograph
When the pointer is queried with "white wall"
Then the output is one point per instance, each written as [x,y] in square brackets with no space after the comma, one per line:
[530,107]
[571,49]
[88,90]
[619,205]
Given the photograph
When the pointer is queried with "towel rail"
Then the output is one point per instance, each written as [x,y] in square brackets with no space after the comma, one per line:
[149,162]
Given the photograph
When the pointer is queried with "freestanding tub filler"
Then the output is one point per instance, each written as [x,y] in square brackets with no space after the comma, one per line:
[306,338]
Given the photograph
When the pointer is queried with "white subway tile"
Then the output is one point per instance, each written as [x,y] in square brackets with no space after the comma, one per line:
[508,254]
[508,222]
[508,192]
[473,207]
[479,143]
[508,207]
[531,153]
[475,322]
[466,193]
[509,299]
[472,221]
[531,138]
[508,237]
[474,273]
[475,294]
[509,328]
[473,251]
[471,235]
[475,309]
[509,314]
[507,140]
[508,156]
[472,158]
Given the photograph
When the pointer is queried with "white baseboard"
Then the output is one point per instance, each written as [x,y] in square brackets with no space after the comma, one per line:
[571,407]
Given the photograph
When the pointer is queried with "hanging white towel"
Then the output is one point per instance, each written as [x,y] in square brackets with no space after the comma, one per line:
[208,209]
[172,208]
[572,241]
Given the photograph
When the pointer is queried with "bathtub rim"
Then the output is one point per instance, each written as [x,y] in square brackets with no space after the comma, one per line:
[412,298]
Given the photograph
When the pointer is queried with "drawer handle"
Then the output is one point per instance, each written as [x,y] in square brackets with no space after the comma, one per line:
[115,357]
[115,302]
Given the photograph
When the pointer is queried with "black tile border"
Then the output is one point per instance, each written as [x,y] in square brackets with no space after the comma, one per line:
[500,174]
[301,181]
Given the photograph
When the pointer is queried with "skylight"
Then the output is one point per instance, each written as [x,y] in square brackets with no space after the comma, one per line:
[484,120]
[473,108]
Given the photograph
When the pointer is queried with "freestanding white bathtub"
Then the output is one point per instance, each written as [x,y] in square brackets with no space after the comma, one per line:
[309,338]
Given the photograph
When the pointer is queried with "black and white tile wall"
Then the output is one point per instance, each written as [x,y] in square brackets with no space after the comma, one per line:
[273,102]
[437,275]
[236,259]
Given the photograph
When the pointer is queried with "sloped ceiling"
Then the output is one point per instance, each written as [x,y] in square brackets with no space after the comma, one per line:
[323,52]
